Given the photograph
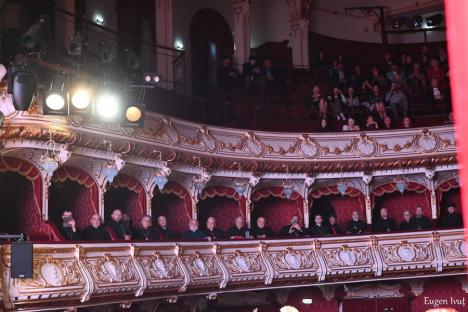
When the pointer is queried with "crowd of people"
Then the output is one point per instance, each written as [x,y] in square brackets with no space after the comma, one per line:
[120,228]
[377,98]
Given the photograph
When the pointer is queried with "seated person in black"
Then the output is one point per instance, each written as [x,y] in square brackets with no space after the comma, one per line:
[120,228]
[145,231]
[335,229]
[96,231]
[262,231]
[194,233]
[355,226]
[419,222]
[237,230]
[211,229]
[451,218]
[294,230]
[384,224]
[162,228]
[318,228]
[68,227]
[405,225]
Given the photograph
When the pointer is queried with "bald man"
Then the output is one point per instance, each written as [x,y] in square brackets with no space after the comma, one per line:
[121,229]
[96,231]
[261,230]
[194,233]
[238,230]
[212,231]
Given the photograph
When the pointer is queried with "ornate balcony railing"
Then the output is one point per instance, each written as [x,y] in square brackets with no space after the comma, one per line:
[67,275]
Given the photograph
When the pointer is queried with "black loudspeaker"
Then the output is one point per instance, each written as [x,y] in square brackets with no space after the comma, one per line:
[21,260]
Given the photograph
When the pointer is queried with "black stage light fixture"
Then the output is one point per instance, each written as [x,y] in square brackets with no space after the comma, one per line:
[80,98]
[75,45]
[415,22]
[151,78]
[144,80]
[397,23]
[132,61]
[133,115]
[22,83]
[434,20]
[106,52]
[56,99]
[36,32]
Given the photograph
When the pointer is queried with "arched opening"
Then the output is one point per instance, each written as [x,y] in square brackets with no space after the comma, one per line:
[389,197]
[271,203]
[210,40]
[448,193]
[75,190]
[328,201]
[21,193]
[128,195]
[173,202]
[222,203]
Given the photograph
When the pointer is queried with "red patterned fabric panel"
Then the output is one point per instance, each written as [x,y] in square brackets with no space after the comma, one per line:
[277,211]
[223,209]
[174,208]
[444,289]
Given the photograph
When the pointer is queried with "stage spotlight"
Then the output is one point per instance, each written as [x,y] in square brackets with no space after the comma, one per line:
[151,78]
[75,45]
[80,100]
[106,52]
[56,102]
[434,20]
[415,22]
[134,116]
[107,106]
[36,32]
[22,83]
[132,61]
[396,24]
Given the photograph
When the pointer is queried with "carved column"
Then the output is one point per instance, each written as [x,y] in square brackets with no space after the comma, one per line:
[367,179]
[164,38]
[299,40]
[102,191]
[430,174]
[149,197]
[241,11]
[45,195]
[194,206]
[308,181]
[65,24]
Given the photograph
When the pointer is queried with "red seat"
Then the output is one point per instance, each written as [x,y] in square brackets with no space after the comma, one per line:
[111,233]
[39,236]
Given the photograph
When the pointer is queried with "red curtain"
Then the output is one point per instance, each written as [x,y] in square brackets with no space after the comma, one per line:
[389,197]
[319,303]
[175,203]
[222,203]
[343,205]
[444,289]
[448,193]
[82,199]
[270,203]
[136,203]
[32,196]
[376,305]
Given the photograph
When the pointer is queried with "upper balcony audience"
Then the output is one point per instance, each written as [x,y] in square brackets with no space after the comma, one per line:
[294,229]
[95,231]
[145,231]
[261,230]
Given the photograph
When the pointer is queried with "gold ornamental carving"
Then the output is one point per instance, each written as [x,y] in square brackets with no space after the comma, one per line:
[406,252]
[240,262]
[111,269]
[290,259]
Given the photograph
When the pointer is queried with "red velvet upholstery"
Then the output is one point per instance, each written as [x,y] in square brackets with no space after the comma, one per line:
[319,303]
[175,203]
[47,231]
[111,233]
[75,190]
[343,205]
[389,197]
[443,288]
[270,203]
[39,236]
[373,305]
[135,203]
[222,203]
[23,196]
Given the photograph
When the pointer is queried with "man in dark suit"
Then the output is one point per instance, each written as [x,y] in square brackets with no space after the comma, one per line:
[262,231]
[164,230]
[405,225]
[96,231]
[419,222]
[68,227]
[384,224]
[237,230]
[120,228]
[294,230]
[145,231]
[194,233]
[355,226]
[335,229]
[451,218]
[318,228]
[212,231]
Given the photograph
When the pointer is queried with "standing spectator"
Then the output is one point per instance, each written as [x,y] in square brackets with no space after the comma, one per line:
[405,225]
[443,59]
[407,65]
[424,56]
[226,74]
[318,228]
[384,223]
[396,75]
[419,221]
[435,71]
[252,73]
[357,78]
[319,102]
[339,77]
[336,102]
[417,79]
[376,79]
[355,226]
[376,102]
[388,61]
[371,124]
[436,96]
[321,61]
[352,101]
[397,100]
[269,75]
